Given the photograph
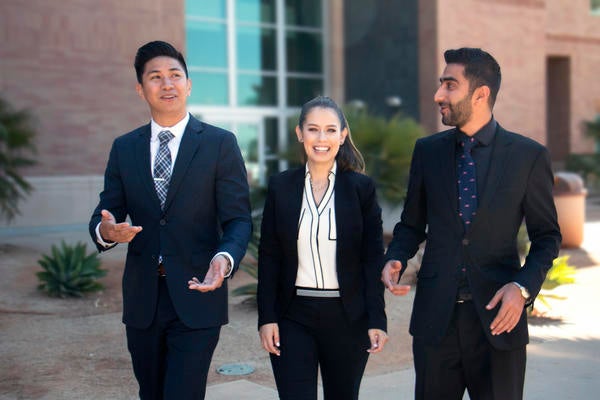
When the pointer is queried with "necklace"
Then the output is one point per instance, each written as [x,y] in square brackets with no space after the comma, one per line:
[320,187]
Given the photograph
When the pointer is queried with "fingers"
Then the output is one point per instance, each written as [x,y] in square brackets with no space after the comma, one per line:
[269,337]
[510,311]
[107,216]
[378,340]
[390,275]
[399,290]
[494,302]
[212,280]
[121,233]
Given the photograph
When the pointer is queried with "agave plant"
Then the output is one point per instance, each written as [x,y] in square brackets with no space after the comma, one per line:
[69,271]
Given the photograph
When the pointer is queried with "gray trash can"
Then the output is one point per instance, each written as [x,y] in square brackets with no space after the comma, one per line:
[569,197]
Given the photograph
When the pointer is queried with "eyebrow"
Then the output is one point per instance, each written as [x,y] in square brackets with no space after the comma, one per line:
[448,79]
[170,70]
[326,126]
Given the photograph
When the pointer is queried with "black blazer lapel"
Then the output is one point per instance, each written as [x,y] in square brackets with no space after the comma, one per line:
[190,141]
[446,156]
[498,165]
[142,157]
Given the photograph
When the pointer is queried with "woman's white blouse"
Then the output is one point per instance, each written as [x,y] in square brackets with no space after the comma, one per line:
[317,238]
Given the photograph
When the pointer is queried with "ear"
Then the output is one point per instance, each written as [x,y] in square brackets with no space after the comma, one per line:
[344,134]
[189,87]
[299,134]
[481,94]
[140,90]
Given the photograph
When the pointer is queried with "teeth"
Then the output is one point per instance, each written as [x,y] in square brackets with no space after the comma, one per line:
[321,148]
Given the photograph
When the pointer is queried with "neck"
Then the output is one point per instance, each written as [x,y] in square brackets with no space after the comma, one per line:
[475,124]
[319,171]
[168,120]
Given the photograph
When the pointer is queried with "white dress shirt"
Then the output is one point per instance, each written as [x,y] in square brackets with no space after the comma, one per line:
[317,237]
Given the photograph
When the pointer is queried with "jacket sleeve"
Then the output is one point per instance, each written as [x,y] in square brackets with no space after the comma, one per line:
[269,261]
[372,257]
[409,233]
[542,225]
[112,197]
[233,200]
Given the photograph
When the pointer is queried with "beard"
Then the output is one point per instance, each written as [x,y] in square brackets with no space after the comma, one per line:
[458,113]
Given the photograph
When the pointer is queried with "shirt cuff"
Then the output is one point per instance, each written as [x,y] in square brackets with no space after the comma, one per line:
[226,254]
[101,242]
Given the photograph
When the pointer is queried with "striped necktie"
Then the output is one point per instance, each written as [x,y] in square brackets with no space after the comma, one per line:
[162,166]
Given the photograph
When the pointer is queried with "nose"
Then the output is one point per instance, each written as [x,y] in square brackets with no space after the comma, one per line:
[166,82]
[438,95]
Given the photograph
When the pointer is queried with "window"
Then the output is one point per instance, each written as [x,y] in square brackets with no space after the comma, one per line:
[252,64]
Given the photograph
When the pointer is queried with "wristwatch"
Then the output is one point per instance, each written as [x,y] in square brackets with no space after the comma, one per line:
[524,291]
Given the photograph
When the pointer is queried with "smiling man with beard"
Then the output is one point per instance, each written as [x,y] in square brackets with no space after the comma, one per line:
[470,188]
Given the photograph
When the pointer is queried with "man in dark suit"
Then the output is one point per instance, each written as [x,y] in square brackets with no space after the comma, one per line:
[470,188]
[183,185]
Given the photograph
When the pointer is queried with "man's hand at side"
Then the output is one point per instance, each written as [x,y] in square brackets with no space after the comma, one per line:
[390,275]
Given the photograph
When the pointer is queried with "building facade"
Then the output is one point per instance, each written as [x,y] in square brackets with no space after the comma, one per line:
[254,62]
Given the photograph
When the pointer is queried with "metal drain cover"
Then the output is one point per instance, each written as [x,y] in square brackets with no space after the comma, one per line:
[235,369]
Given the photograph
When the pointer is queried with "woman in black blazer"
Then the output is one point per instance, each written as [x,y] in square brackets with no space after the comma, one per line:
[320,299]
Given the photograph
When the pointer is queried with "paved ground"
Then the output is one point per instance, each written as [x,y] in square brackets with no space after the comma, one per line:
[75,349]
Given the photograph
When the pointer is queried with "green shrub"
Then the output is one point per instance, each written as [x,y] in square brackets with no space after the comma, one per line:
[16,141]
[561,273]
[69,272]
[387,146]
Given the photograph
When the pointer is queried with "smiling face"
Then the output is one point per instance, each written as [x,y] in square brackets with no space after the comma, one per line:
[165,87]
[322,135]
[453,96]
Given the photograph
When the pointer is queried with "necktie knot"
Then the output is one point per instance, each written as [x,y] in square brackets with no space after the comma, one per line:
[468,143]
[165,136]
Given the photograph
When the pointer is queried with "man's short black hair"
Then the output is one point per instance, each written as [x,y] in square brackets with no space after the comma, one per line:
[154,49]
[481,69]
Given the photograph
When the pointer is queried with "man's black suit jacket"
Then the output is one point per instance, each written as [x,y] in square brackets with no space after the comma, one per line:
[207,210]
[359,246]
[518,185]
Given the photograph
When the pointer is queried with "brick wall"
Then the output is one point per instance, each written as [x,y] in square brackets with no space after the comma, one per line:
[71,63]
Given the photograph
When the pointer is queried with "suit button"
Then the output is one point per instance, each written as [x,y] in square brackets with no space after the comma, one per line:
[162,222]
[465,242]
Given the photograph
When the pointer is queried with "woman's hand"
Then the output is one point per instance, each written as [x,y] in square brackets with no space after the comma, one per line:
[269,337]
[378,339]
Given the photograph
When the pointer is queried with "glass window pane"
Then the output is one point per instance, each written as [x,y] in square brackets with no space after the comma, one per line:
[206,44]
[271,136]
[304,52]
[209,88]
[256,48]
[205,8]
[257,90]
[303,12]
[247,137]
[255,10]
[300,90]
